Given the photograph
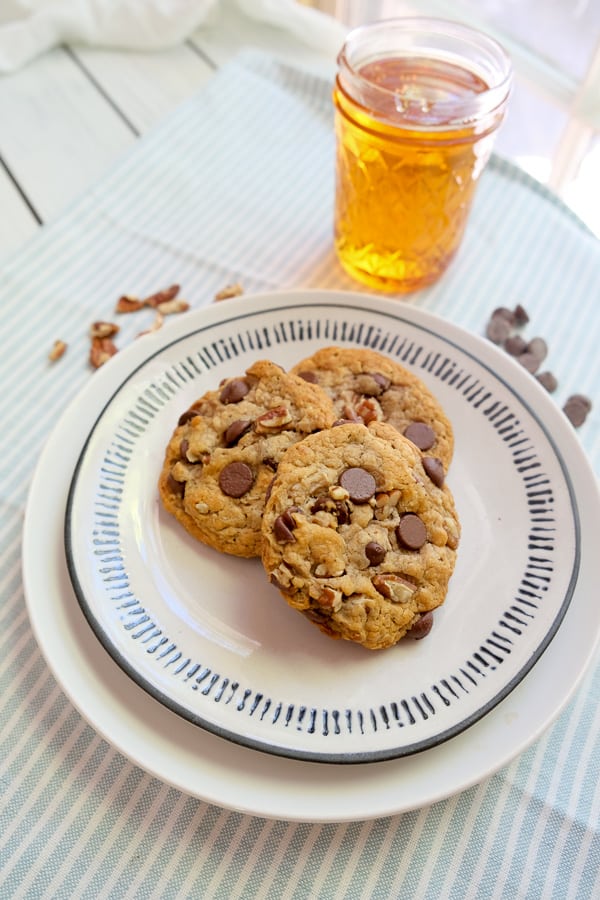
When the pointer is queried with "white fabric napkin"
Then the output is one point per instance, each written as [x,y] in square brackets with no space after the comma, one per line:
[30,27]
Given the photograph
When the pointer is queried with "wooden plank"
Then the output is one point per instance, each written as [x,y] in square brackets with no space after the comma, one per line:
[228,31]
[145,86]
[58,132]
[17,222]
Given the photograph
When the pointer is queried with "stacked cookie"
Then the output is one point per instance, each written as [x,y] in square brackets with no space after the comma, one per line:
[334,474]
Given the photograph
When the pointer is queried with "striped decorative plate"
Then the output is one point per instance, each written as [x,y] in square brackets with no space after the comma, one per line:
[209,638]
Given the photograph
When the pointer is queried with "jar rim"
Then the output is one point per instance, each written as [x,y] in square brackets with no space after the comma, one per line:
[432,38]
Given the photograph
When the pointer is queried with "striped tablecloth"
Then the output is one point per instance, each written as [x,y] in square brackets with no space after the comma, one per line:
[237,186]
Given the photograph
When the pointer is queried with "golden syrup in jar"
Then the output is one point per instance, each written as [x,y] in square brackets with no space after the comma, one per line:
[405,173]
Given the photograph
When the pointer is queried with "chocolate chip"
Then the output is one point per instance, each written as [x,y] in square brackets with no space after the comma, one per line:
[235,431]
[342,512]
[359,483]
[502,312]
[189,414]
[322,503]
[183,448]
[529,362]
[288,518]
[382,380]
[576,409]
[174,486]
[338,508]
[282,530]
[435,469]
[236,479]
[346,422]
[581,400]
[538,347]
[515,345]
[521,316]
[350,415]
[547,380]
[234,391]
[375,553]
[309,376]
[421,435]
[411,531]
[421,627]
[371,384]
[498,329]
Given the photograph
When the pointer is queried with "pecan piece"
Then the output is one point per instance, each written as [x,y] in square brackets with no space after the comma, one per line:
[158,321]
[330,599]
[126,304]
[394,587]
[169,307]
[273,419]
[368,409]
[349,415]
[159,297]
[230,290]
[101,351]
[103,329]
[58,350]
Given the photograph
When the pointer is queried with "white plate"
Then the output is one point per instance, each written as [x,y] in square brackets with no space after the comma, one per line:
[209,637]
[220,771]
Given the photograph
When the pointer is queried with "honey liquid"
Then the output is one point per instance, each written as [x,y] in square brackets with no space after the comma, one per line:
[405,175]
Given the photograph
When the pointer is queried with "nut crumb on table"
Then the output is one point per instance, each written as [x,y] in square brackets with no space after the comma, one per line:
[102,347]
[229,291]
[58,349]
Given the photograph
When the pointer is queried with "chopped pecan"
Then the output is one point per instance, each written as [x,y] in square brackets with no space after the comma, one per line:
[330,599]
[159,297]
[58,349]
[368,409]
[126,304]
[387,499]
[176,305]
[330,568]
[230,290]
[394,587]
[350,414]
[273,419]
[184,470]
[337,492]
[158,321]
[101,351]
[103,329]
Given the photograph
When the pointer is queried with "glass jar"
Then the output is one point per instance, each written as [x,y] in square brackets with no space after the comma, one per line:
[417,103]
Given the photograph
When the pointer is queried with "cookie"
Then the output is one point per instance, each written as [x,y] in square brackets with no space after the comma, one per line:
[366,386]
[222,456]
[358,536]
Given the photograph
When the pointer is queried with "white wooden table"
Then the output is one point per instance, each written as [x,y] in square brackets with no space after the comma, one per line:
[69,115]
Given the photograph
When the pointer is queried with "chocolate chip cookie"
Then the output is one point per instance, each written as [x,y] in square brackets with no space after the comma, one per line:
[225,449]
[359,535]
[367,386]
